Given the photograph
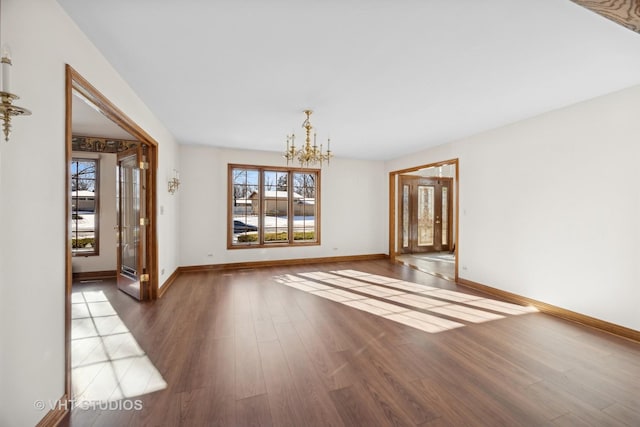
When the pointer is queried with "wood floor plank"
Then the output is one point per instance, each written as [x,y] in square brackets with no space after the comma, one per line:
[214,367]
[477,399]
[254,411]
[318,312]
[249,377]
[451,409]
[587,420]
[588,393]
[387,388]
[158,410]
[219,410]
[316,402]
[508,386]
[285,403]
[623,413]
[221,324]
[332,366]
[575,405]
[358,409]
[626,393]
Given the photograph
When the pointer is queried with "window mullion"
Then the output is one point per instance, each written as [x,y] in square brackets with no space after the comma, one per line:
[261,206]
[290,210]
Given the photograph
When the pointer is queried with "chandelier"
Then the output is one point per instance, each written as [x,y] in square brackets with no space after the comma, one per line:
[307,155]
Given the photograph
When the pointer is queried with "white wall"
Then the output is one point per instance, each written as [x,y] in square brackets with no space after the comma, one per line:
[168,215]
[550,207]
[32,280]
[107,252]
[353,204]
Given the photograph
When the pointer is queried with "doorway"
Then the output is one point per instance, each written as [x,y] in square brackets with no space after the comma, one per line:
[424,216]
[143,186]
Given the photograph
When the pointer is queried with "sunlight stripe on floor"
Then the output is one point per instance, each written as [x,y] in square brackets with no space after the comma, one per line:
[346,282]
[502,307]
[451,295]
[465,313]
[333,296]
[378,291]
[417,301]
[424,322]
[348,286]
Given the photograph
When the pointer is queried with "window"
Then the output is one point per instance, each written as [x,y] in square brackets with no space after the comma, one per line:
[271,206]
[84,206]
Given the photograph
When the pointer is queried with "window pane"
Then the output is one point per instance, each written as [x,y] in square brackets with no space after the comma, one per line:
[84,213]
[246,206]
[276,206]
[304,206]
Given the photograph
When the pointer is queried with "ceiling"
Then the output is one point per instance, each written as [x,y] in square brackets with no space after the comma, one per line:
[86,120]
[385,78]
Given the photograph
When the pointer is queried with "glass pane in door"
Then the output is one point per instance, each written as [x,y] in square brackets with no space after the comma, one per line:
[445,216]
[426,210]
[129,188]
[405,216]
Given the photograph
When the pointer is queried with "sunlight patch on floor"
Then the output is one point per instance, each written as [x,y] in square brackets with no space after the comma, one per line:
[106,361]
[354,289]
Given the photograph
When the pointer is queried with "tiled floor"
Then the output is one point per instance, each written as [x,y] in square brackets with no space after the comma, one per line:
[106,361]
[398,300]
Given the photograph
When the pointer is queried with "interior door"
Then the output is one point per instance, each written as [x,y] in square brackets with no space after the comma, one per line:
[425,221]
[133,277]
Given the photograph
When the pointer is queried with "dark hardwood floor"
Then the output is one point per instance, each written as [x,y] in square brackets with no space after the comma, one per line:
[236,348]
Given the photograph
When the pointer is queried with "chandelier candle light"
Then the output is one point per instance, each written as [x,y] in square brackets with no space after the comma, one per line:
[7,109]
[307,155]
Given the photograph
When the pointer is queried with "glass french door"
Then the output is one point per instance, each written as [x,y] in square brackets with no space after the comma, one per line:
[132,223]
[425,220]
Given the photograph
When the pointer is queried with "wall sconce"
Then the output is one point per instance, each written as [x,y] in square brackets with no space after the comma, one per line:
[7,109]
[174,182]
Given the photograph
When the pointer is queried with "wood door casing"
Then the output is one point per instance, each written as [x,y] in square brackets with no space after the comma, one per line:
[425,214]
[77,84]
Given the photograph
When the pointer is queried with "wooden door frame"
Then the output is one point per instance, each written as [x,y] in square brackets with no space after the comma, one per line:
[393,212]
[74,81]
